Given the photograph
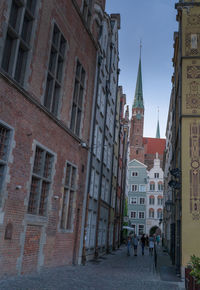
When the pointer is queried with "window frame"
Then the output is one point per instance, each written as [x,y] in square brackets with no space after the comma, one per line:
[20,40]
[134,174]
[133,214]
[66,221]
[39,176]
[5,162]
[141,213]
[78,99]
[55,71]
[133,203]
[136,187]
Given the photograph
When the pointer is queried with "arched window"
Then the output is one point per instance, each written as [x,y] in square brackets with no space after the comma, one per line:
[151,213]
[160,186]
[152,185]
[151,199]
[159,213]
[160,200]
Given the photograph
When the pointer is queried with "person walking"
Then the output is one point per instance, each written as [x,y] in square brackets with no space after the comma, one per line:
[135,244]
[147,241]
[128,245]
[143,241]
[158,240]
[151,245]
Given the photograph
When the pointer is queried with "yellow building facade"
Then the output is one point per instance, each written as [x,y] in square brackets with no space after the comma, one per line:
[190,130]
[182,193]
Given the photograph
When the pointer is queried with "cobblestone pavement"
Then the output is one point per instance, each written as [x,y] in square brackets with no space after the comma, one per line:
[115,271]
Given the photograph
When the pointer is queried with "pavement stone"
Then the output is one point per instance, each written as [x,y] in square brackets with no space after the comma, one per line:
[116,271]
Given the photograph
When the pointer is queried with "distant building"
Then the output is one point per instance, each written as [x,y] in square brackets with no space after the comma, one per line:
[154,205]
[137,180]
[148,152]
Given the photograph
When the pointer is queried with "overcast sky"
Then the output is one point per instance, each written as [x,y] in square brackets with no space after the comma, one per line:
[154,22]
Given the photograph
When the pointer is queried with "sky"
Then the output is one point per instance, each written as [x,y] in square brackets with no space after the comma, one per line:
[154,23]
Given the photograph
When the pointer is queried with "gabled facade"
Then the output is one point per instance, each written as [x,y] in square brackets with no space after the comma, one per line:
[154,205]
[137,199]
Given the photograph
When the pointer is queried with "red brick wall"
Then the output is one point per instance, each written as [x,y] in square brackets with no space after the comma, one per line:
[31,124]
[31,249]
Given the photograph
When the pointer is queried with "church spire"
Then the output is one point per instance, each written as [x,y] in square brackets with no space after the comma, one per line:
[138,99]
[158,127]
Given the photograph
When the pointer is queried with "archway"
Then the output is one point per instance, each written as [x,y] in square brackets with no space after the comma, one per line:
[155,230]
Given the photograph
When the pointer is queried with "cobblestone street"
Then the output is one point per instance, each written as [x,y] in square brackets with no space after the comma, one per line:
[116,271]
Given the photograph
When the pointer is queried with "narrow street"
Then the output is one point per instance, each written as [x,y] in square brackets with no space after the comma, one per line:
[115,271]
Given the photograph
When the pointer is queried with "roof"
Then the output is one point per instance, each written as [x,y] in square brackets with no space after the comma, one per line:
[153,145]
[136,163]
[138,99]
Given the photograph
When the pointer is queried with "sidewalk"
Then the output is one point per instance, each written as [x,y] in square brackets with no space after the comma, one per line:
[165,268]
[115,271]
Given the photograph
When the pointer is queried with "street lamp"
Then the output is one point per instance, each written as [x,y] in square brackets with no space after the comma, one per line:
[169,204]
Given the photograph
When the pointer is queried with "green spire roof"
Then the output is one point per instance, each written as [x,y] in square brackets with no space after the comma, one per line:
[158,130]
[138,99]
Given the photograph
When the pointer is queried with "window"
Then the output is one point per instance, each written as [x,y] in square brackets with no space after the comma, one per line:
[134,187]
[41,181]
[17,42]
[68,197]
[133,214]
[4,149]
[152,186]
[141,230]
[142,200]
[141,214]
[142,188]
[160,200]
[77,106]
[87,13]
[151,200]
[156,175]
[151,213]
[133,200]
[55,72]
[159,213]
[134,173]
[160,186]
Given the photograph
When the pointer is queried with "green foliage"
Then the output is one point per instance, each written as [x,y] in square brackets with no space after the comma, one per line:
[153,230]
[125,207]
[194,264]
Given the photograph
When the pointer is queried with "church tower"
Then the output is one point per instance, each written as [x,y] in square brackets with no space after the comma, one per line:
[137,120]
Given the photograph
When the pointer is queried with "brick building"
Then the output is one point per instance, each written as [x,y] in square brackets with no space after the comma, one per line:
[48,60]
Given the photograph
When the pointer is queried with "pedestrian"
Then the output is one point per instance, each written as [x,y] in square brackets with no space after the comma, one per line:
[128,245]
[143,241]
[158,239]
[147,241]
[151,245]
[135,244]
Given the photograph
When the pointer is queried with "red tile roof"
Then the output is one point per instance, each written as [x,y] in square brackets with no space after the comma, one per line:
[153,145]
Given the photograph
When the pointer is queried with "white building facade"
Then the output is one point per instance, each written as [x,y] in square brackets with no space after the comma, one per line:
[154,205]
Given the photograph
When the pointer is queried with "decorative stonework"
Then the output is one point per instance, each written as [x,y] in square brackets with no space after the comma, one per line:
[192,45]
[194,150]
[194,19]
[193,97]
[193,72]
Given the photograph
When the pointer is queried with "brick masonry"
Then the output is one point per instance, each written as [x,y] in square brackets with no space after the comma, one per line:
[38,241]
